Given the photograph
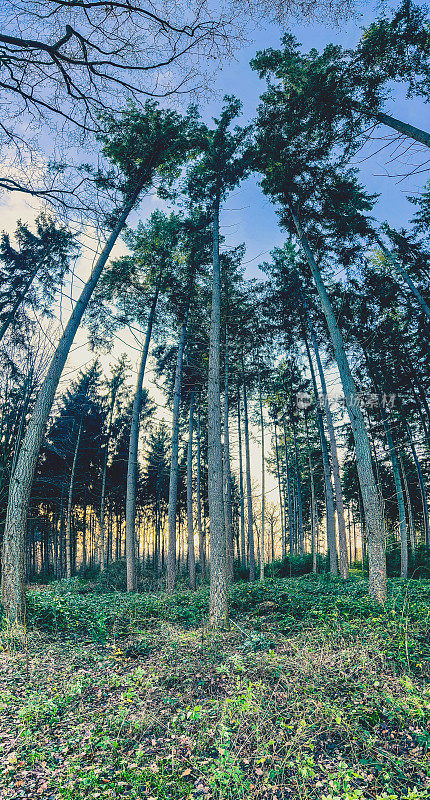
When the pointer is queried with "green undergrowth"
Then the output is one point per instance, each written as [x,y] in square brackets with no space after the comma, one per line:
[312,693]
[281,606]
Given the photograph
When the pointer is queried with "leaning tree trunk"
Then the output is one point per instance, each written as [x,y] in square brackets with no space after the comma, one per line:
[227,471]
[173,484]
[130,501]
[190,521]
[372,506]
[403,274]
[386,119]
[218,608]
[263,483]
[199,502]
[13,595]
[241,492]
[70,503]
[248,483]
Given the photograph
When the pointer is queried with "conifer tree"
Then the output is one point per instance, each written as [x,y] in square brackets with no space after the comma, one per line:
[223,164]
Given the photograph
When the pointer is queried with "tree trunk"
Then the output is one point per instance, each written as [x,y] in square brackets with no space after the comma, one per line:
[422,488]
[248,483]
[298,483]
[173,484]
[263,483]
[227,471]
[385,119]
[69,504]
[399,491]
[84,532]
[281,505]
[396,475]
[340,511]
[289,498]
[104,545]
[372,506]
[241,492]
[27,397]
[190,521]
[311,478]
[199,502]
[13,595]
[330,525]
[218,608]
[403,274]
[130,502]
[412,536]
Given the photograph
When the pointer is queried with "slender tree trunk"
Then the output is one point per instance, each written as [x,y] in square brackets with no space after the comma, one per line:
[403,274]
[289,496]
[69,504]
[130,502]
[241,492]
[372,505]
[199,502]
[340,511]
[385,119]
[190,520]
[248,483]
[281,505]
[349,534]
[311,478]
[399,491]
[103,543]
[330,525]
[13,596]
[218,608]
[227,471]
[173,484]
[263,482]
[298,483]
[422,488]
[412,536]
[27,396]
[84,531]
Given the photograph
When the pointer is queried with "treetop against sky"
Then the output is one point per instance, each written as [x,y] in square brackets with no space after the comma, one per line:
[247,215]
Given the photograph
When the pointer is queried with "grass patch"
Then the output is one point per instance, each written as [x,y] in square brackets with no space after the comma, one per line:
[313,693]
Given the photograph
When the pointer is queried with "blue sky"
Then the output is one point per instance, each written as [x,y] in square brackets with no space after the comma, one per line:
[249,216]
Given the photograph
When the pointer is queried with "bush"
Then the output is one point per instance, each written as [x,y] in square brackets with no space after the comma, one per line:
[295,566]
[418,563]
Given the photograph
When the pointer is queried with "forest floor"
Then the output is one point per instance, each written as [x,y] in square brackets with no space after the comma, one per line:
[313,692]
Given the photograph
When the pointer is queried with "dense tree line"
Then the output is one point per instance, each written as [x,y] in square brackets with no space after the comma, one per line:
[91,476]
